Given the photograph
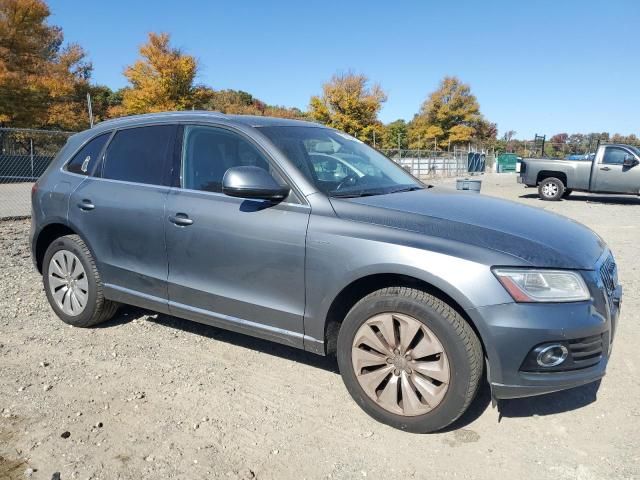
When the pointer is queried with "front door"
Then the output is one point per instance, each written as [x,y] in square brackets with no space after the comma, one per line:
[120,212]
[233,262]
[612,176]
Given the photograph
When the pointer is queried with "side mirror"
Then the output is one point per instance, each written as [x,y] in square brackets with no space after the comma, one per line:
[252,182]
[629,161]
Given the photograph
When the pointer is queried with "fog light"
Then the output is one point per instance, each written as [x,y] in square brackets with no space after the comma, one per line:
[552,355]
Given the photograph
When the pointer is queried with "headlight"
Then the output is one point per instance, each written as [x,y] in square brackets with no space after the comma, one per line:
[528,285]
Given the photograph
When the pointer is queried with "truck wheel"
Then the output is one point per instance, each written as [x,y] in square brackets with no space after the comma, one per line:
[551,188]
[409,359]
[72,283]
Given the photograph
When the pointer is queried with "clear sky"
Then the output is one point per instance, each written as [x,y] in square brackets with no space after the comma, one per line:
[536,66]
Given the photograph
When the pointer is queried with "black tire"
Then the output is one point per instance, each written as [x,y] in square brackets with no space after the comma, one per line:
[462,346]
[551,189]
[98,309]
[567,192]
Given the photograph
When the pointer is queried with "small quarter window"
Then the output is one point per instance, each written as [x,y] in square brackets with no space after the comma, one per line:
[84,160]
[140,155]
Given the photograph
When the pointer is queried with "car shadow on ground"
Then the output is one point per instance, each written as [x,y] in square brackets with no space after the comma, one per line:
[549,404]
[607,200]
[127,313]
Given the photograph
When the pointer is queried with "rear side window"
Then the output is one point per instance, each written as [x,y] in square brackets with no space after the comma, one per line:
[140,155]
[85,159]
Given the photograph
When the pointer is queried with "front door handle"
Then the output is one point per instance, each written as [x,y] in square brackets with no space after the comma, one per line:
[605,169]
[86,205]
[180,219]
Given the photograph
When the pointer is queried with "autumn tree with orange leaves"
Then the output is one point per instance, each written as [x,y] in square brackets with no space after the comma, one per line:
[42,83]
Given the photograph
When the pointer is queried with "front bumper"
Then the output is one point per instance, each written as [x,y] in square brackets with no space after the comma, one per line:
[510,331]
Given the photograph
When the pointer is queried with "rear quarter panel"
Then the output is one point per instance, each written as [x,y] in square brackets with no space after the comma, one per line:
[577,172]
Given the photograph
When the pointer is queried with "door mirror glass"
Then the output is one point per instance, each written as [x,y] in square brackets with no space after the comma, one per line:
[629,161]
[252,182]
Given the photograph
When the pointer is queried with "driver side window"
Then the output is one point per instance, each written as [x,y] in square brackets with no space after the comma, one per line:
[208,152]
[614,156]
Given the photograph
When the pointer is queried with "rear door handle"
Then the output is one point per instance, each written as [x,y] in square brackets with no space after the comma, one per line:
[180,219]
[86,205]
[606,169]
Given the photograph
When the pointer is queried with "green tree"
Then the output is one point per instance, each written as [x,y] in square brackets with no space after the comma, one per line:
[42,83]
[450,115]
[103,99]
[395,135]
[350,104]
[161,80]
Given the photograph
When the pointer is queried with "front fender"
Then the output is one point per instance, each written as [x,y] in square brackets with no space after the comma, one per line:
[335,261]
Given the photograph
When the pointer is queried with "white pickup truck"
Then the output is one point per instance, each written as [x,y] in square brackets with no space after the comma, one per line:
[615,168]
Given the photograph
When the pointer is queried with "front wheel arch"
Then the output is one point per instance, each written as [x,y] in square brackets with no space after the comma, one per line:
[363,286]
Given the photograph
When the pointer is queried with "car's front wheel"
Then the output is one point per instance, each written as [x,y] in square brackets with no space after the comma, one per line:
[73,285]
[409,359]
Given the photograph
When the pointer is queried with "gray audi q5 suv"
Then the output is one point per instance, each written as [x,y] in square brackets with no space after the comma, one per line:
[301,234]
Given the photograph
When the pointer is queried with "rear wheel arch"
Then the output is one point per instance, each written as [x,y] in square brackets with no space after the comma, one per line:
[550,173]
[363,286]
[48,234]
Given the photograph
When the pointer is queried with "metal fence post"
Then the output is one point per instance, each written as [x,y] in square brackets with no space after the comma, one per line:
[31,155]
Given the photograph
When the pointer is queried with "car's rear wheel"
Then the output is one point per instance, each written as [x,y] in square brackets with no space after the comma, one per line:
[551,189]
[73,285]
[409,359]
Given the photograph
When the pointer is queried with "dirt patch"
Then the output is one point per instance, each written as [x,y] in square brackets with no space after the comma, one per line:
[152,396]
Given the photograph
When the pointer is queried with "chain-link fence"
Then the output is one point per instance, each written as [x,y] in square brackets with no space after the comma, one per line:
[426,164]
[24,156]
[26,153]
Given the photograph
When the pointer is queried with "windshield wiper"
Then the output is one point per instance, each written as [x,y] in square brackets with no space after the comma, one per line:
[407,189]
[355,194]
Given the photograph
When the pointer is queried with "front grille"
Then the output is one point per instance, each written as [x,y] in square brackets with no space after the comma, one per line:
[609,274]
[586,351]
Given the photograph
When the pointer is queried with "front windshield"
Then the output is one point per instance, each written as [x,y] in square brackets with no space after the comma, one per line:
[338,164]
[635,149]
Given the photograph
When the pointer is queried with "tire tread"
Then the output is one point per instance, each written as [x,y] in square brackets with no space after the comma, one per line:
[468,336]
[104,309]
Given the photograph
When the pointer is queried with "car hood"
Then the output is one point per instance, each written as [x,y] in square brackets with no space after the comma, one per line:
[533,235]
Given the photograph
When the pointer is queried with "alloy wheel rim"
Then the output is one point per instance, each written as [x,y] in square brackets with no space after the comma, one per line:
[68,283]
[400,364]
[550,189]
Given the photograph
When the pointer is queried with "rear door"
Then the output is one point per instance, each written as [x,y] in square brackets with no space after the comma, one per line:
[612,176]
[120,213]
[233,262]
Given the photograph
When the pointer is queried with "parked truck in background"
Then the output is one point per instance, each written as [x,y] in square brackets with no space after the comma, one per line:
[615,168]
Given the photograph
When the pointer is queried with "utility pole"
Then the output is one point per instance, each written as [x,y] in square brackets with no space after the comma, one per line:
[399,143]
[374,139]
[90,110]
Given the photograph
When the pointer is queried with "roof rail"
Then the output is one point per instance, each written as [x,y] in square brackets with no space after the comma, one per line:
[211,113]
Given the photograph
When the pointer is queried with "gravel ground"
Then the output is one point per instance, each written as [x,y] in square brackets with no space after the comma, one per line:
[151,396]
[15,199]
